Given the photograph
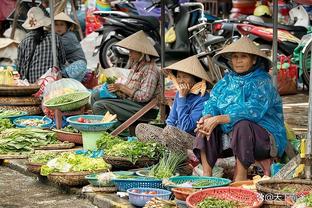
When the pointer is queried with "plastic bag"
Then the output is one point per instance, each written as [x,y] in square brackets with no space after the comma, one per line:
[62,87]
[105,93]
[50,76]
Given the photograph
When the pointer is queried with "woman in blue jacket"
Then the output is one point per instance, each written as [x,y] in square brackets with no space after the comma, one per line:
[190,79]
[245,107]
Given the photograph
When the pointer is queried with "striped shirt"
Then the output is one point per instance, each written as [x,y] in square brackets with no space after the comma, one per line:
[144,78]
[42,59]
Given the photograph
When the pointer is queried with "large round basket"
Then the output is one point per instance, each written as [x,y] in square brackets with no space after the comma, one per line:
[275,192]
[6,90]
[96,125]
[249,198]
[71,178]
[68,136]
[68,102]
[120,163]
[34,167]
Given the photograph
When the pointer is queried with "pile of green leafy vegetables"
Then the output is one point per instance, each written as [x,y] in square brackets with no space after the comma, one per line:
[70,162]
[25,139]
[42,158]
[8,113]
[211,202]
[5,124]
[70,129]
[117,147]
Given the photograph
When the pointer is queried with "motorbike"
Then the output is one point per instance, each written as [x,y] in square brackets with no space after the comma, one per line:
[119,25]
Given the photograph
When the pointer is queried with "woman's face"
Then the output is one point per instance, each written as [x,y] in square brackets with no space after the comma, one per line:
[134,55]
[60,27]
[185,78]
[242,62]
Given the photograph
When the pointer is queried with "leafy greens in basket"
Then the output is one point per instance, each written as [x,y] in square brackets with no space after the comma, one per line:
[5,124]
[116,147]
[211,202]
[42,158]
[24,140]
[70,162]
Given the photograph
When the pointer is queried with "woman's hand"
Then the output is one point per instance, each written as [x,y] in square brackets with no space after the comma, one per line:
[211,123]
[114,87]
[200,123]
[184,89]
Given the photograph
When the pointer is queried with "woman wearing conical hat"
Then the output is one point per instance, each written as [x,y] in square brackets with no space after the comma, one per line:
[190,79]
[141,86]
[35,51]
[76,63]
[244,108]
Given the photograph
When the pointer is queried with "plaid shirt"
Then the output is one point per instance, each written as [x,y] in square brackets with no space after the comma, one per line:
[42,59]
[144,78]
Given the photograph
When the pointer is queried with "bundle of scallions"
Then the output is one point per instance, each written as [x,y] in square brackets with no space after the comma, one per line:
[167,165]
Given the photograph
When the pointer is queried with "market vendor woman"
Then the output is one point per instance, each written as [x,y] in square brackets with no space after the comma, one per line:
[245,107]
[141,86]
[190,79]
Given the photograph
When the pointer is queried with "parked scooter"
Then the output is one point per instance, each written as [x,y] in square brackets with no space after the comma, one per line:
[119,25]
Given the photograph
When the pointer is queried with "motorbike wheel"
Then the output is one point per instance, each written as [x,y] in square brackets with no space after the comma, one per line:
[108,56]
[306,64]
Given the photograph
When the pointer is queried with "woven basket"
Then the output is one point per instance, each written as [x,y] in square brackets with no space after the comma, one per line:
[120,163]
[34,167]
[79,100]
[31,110]
[249,198]
[20,101]
[68,136]
[273,194]
[6,90]
[71,178]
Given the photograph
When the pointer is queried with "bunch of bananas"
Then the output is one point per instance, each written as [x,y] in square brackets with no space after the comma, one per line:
[6,76]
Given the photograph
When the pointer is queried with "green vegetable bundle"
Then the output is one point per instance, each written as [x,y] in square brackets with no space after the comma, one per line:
[5,124]
[24,140]
[135,150]
[107,141]
[211,202]
[167,165]
[7,113]
[111,80]
[70,162]
[70,129]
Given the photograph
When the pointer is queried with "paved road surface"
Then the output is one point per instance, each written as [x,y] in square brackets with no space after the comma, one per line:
[20,191]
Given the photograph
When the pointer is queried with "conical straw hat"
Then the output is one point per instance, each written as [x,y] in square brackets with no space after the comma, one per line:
[190,65]
[64,17]
[4,42]
[138,42]
[36,19]
[243,45]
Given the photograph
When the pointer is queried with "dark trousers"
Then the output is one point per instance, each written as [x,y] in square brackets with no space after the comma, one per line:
[249,142]
[123,108]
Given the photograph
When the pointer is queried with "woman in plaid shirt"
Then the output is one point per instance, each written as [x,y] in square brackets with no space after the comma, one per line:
[35,51]
[141,86]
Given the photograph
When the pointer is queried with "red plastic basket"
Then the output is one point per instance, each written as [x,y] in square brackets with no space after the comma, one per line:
[249,198]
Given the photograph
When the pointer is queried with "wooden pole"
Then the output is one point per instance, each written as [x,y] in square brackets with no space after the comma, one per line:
[76,19]
[16,13]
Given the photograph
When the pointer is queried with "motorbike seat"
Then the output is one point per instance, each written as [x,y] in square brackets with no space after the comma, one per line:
[153,21]
[282,27]
[213,39]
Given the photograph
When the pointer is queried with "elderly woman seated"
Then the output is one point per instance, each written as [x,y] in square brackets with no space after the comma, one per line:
[141,86]
[244,107]
[190,79]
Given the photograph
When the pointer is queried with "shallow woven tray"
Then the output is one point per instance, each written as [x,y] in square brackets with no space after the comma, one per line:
[271,190]
[68,136]
[31,110]
[7,157]
[34,167]
[20,101]
[120,163]
[66,145]
[6,90]
[71,178]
